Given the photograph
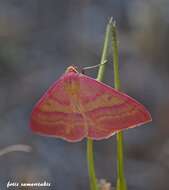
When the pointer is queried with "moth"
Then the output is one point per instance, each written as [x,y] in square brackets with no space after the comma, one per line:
[77,106]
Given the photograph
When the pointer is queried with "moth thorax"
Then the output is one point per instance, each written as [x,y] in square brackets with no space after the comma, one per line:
[72,86]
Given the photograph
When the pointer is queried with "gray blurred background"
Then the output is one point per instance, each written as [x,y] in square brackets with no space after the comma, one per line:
[38,40]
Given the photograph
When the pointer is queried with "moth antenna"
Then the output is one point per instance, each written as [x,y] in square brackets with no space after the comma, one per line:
[92,67]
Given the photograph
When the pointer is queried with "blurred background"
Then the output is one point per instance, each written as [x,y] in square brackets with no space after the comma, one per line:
[38,40]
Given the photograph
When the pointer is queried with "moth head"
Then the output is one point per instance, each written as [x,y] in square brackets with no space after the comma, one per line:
[71,69]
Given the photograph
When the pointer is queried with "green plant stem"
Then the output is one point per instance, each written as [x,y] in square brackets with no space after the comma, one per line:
[100,76]
[91,168]
[103,61]
[121,181]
